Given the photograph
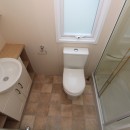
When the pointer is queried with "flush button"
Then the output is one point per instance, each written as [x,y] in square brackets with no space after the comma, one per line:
[76,50]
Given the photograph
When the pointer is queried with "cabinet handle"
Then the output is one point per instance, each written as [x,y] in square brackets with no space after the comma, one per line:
[20,85]
[18,91]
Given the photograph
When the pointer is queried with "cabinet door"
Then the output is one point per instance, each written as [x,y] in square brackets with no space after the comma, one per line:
[3,100]
[25,81]
[15,105]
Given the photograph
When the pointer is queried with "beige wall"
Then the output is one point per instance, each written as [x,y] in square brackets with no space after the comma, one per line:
[32,22]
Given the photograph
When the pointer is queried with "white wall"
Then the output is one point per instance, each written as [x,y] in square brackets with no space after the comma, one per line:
[32,22]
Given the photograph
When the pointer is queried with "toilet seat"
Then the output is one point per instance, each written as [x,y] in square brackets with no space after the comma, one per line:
[73,81]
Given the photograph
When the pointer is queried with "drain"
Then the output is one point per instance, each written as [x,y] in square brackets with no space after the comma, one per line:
[6,78]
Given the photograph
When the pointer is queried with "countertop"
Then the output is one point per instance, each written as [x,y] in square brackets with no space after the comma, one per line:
[11,50]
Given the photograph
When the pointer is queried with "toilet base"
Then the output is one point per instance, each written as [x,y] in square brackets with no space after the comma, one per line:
[73,97]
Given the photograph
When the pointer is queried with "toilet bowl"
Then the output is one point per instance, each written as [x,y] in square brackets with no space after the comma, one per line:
[73,81]
[73,75]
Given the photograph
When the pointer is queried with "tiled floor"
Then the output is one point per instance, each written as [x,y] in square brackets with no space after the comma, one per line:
[48,107]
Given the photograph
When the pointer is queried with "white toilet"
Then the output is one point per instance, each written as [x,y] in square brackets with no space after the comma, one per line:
[73,75]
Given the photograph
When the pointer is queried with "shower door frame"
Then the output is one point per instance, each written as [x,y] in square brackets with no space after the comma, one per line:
[121,64]
[98,93]
[124,116]
[112,76]
[106,84]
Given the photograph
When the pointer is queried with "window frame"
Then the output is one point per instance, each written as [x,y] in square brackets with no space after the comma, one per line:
[92,38]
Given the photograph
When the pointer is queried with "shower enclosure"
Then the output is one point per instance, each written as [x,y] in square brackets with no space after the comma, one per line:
[112,76]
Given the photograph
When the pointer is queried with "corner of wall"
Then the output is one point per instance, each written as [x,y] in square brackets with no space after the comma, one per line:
[2,42]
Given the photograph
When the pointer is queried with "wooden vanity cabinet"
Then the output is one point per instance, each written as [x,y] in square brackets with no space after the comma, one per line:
[25,60]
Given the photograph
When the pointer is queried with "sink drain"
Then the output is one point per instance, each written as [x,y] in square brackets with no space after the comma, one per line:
[6,78]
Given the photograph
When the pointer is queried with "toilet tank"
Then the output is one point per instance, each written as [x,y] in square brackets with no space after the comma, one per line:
[75,58]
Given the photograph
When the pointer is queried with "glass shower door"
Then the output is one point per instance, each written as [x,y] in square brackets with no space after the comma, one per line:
[117,46]
[115,100]
[112,75]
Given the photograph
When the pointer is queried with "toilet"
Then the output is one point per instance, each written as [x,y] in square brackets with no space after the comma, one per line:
[73,75]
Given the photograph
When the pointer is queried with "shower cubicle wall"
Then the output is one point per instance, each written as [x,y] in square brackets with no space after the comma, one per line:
[112,76]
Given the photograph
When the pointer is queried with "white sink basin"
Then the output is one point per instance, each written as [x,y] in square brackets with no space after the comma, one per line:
[10,72]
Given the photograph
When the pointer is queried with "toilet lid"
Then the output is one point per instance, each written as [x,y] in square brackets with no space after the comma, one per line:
[73,80]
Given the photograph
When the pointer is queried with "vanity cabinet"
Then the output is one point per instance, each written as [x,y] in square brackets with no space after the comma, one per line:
[17,96]
[25,81]
[3,100]
[12,102]
[15,104]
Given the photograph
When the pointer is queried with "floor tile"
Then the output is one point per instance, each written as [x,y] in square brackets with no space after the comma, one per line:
[31,108]
[90,111]
[57,79]
[48,107]
[88,89]
[64,98]
[39,78]
[34,97]
[48,79]
[27,120]
[66,110]
[78,111]
[36,87]
[43,109]
[66,123]
[91,124]
[55,110]
[40,122]
[78,124]
[47,88]
[57,88]
[42,77]
[78,101]
[53,123]
[36,79]
[45,98]
[55,98]
[88,99]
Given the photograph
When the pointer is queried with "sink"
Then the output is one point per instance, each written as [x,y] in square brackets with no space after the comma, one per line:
[10,72]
